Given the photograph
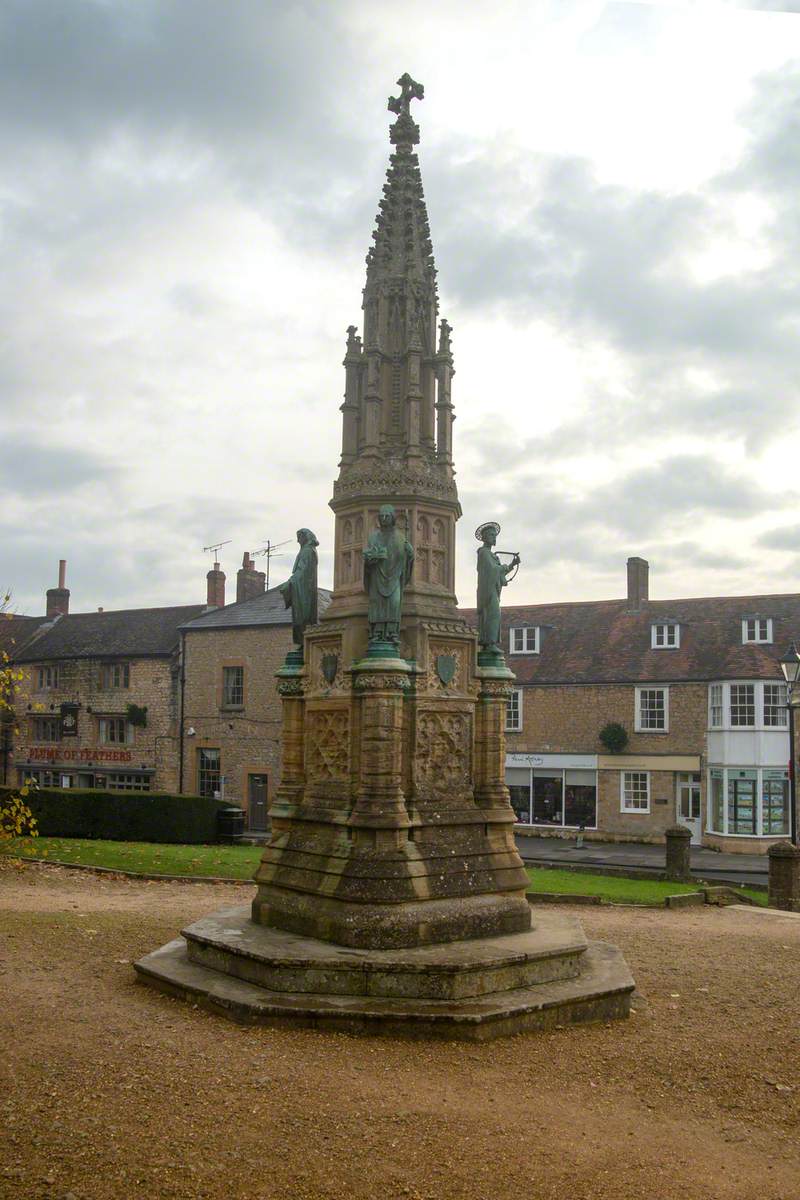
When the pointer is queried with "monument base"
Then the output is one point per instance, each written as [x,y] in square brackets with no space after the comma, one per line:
[469,990]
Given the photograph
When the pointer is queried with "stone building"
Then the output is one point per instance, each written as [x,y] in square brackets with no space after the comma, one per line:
[697,686]
[231,714]
[98,703]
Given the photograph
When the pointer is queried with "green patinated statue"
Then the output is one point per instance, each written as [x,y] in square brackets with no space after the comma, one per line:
[300,590]
[492,578]
[388,564]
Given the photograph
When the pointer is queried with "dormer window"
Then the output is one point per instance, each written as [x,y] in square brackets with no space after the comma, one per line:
[524,640]
[756,630]
[666,635]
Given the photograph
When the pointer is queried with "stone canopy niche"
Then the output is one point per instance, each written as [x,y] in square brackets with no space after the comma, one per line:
[391,896]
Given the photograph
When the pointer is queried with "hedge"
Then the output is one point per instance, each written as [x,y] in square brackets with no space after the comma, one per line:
[123,816]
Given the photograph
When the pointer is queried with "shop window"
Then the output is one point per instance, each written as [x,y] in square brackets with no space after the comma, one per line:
[742,808]
[775,711]
[635,791]
[548,798]
[123,782]
[580,798]
[524,640]
[757,629]
[115,675]
[518,781]
[718,800]
[666,636]
[743,705]
[47,729]
[774,802]
[232,687]
[514,711]
[715,705]
[47,678]
[208,771]
[652,710]
[115,731]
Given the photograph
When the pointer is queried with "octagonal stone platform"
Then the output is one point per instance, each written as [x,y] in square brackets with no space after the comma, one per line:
[474,990]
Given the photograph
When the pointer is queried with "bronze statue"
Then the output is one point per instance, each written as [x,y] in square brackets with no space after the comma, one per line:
[492,578]
[300,590]
[388,564]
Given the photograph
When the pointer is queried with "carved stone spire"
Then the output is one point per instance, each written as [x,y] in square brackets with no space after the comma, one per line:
[392,408]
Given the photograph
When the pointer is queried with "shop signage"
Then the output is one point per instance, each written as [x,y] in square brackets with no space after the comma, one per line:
[69,720]
[86,754]
[580,762]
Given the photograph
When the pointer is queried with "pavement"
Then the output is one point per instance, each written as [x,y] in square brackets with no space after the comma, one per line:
[641,856]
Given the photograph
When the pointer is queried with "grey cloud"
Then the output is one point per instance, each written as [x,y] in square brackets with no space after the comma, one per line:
[32,468]
[784,537]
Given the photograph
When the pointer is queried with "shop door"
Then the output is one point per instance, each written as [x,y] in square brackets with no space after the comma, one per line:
[257,803]
[688,806]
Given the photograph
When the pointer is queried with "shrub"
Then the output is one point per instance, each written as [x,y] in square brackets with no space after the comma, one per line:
[614,737]
[123,816]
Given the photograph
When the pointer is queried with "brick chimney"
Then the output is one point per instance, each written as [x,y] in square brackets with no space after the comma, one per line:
[58,598]
[638,582]
[216,588]
[249,582]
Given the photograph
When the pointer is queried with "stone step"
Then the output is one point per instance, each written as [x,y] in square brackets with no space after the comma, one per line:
[601,992]
[227,941]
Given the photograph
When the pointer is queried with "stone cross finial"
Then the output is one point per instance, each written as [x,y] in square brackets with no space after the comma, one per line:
[411,90]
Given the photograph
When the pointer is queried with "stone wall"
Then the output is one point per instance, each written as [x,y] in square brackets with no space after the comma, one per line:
[153,683]
[248,737]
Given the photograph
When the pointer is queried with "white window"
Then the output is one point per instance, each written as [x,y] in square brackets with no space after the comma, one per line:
[514,711]
[232,687]
[715,706]
[115,731]
[757,629]
[652,710]
[743,705]
[47,678]
[635,791]
[666,636]
[524,640]
[775,711]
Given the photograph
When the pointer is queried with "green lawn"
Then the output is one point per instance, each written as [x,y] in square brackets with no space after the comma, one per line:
[240,862]
[232,862]
[611,887]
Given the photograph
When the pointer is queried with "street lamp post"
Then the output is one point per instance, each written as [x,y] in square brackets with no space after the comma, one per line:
[790,666]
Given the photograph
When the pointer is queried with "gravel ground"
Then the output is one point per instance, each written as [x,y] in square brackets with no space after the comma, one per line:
[109,1089]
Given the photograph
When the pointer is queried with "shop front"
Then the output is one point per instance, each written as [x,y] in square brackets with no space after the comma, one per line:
[553,792]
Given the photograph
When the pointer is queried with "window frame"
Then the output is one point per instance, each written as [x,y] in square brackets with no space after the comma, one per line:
[638,726]
[52,672]
[109,667]
[226,702]
[625,808]
[781,708]
[103,723]
[201,750]
[40,719]
[756,640]
[509,728]
[720,707]
[741,724]
[674,626]
[525,630]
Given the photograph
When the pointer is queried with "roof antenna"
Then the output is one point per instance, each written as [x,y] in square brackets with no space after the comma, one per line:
[270,551]
[215,548]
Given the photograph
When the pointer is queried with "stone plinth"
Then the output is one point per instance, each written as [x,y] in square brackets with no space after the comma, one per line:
[784,876]
[472,990]
[678,865]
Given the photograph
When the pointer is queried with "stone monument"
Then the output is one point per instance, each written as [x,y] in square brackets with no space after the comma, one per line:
[391,895]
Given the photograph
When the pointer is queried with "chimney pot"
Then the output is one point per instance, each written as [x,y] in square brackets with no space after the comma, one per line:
[58,598]
[638,582]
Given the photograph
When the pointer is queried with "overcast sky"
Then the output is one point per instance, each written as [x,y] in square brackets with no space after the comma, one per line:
[187,194]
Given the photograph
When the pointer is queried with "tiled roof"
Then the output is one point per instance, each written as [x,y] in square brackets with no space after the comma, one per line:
[16,631]
[132,633]
[604,641]
[266,609]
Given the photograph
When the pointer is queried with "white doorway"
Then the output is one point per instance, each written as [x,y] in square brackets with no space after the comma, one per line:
[687,807]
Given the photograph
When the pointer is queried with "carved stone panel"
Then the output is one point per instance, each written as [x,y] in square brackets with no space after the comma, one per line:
[322,654]
[447,650]
[443,761]
[327,744]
